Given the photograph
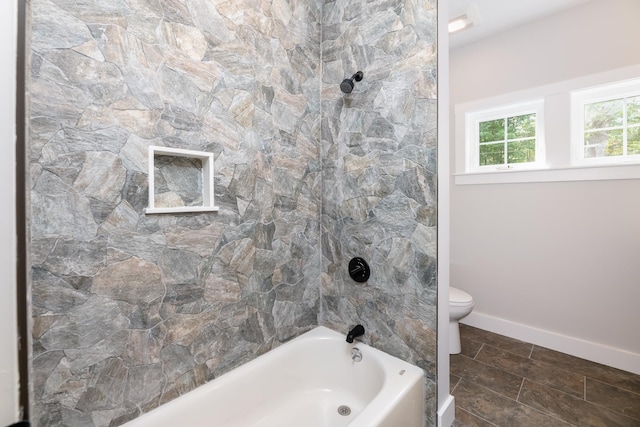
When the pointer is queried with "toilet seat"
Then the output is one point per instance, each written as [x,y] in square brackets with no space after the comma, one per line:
[458,297]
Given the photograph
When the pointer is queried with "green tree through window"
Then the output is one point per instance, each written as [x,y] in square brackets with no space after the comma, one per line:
[612,127]
[507,140]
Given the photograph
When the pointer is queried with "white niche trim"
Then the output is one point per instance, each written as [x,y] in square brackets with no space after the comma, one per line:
[207,180]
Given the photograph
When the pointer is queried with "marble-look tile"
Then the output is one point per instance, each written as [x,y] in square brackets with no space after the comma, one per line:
[551,384]
[487,376]
[498,341]
[499,410]
[569,408]
[466,419]
[606,374]
[544,373]
[469,347]
[623,401]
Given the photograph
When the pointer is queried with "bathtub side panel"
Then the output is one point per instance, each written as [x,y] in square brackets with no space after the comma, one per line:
[410,410]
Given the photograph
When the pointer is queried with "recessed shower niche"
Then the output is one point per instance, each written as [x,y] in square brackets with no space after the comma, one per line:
[180,181]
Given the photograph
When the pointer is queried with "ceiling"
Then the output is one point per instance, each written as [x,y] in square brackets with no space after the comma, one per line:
[495,16]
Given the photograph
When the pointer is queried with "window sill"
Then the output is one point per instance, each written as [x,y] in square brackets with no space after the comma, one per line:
[574,173]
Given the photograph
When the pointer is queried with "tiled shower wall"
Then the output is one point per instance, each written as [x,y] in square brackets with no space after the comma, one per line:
[131,310]
[379,175]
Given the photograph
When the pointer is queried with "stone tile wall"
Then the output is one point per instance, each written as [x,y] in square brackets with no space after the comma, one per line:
[379,175]
[131,310]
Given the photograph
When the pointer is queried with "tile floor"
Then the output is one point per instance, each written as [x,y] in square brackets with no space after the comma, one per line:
[499,381]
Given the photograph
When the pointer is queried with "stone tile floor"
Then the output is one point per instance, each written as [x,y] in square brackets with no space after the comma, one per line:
[499,381]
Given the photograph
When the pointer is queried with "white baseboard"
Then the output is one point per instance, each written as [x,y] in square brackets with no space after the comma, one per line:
[610,356]
[447,412]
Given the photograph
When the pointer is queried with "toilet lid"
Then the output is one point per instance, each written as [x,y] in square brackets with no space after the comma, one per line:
[457,296]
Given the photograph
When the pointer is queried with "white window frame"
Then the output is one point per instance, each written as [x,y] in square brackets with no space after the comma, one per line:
[559,165]
[607,92]
[472,137]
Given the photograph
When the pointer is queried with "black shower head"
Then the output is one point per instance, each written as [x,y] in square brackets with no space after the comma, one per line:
[347,84]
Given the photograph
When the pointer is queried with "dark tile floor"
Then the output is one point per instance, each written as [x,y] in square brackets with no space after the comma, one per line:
[499,381]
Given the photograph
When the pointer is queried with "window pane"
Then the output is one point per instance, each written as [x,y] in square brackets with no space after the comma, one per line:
[522,151]
[633,141]
[633,110]
[603,143]
[491,154]
[603,114]
[614,143]
[522,126]
[492,131]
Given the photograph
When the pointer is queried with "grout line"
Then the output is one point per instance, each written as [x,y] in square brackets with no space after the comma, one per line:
[531,352]
[478,352]
[520,391]
[585,389]
[453,389]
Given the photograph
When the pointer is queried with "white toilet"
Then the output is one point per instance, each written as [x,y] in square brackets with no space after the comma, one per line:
[460,305]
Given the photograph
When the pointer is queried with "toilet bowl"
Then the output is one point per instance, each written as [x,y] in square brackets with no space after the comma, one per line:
[460,305]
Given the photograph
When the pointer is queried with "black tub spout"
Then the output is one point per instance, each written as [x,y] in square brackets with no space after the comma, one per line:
[355,332]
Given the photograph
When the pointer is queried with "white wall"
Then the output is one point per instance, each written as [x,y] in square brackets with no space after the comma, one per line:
[598,36]
[559,262]
[9,411]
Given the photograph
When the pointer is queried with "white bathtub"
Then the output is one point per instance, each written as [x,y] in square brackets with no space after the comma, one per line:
[303,383]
